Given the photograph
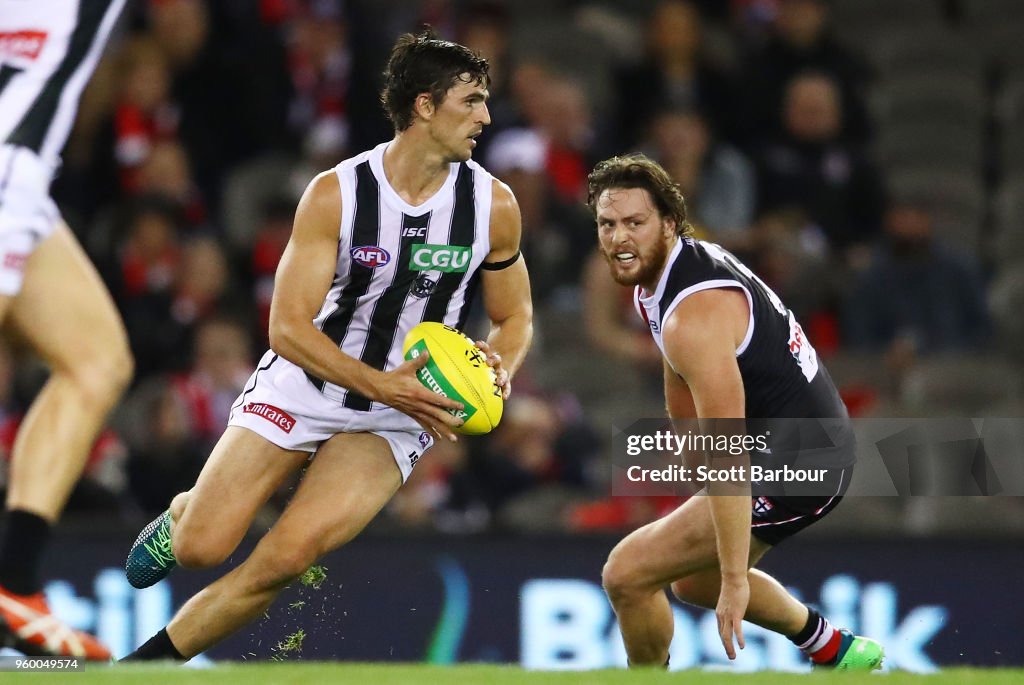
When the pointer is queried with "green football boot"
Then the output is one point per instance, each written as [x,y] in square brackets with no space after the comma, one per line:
[151,557]
[857,653]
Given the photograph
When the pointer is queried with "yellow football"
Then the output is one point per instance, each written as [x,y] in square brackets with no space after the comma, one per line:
[457,369]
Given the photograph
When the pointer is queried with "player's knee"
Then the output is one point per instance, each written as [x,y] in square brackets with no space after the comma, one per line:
[118,367]
[178,505]
[104,376]
[618,577]
[122,369]
[194,551]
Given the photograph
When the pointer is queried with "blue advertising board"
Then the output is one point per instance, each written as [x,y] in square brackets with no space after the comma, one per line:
[537,601]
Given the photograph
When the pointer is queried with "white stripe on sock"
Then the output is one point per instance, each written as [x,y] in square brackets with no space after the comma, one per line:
[814,636]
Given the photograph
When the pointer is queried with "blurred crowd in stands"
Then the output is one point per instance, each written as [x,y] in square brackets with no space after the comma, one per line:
[864,157]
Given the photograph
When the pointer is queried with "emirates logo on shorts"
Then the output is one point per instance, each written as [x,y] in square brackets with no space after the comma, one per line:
[278,417]
[26,44]
[15,261]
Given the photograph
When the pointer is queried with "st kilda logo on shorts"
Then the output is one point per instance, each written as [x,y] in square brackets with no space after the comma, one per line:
[278,417]
[370,256]
[761,506]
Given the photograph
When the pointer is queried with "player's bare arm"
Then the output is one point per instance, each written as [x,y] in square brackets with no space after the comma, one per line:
[701,337]
[506,291]
[302,281]
[678,398]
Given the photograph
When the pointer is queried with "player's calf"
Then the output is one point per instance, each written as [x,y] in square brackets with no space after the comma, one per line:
[272,565]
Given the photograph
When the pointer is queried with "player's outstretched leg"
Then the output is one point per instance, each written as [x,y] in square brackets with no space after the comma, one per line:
[350,480]
[62,299]
[151,558]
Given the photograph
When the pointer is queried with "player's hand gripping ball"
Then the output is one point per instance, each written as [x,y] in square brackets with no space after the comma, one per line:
[457,369]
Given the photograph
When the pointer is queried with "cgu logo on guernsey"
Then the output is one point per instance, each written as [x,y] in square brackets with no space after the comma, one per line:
[370,256]
[444,258]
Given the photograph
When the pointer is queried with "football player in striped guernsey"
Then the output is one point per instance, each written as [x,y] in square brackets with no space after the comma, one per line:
[52,297]
[732,351]
[403,233]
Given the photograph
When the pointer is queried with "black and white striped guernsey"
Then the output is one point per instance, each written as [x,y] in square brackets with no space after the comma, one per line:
[48,50]
[400,264]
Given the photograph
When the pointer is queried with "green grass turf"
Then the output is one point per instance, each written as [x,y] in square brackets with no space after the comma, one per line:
[413,674]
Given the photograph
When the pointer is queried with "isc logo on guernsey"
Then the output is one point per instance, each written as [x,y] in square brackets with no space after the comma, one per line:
[444,258]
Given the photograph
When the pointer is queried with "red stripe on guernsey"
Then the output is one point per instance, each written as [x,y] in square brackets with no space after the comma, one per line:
[278,417]
[640,307]
[829,651]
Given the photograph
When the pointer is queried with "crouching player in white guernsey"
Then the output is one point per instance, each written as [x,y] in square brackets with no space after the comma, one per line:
[400,234]
[52,298]
[731,351]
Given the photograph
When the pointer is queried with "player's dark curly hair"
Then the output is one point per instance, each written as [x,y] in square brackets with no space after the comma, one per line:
[639,171]
[424,63]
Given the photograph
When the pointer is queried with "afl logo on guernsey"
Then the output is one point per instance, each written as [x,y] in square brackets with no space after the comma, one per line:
[370,256]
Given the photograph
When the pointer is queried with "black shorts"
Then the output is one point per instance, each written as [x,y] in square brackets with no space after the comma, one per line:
[777,518]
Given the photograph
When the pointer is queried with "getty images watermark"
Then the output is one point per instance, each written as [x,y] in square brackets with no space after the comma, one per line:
[815,457]
[668,442]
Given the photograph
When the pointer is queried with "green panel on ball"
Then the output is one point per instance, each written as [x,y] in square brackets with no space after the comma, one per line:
[432,378]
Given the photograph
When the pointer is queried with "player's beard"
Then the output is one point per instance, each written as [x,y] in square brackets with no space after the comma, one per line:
[650,263]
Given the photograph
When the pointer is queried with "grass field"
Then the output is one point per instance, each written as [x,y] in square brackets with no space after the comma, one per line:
[413,674]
